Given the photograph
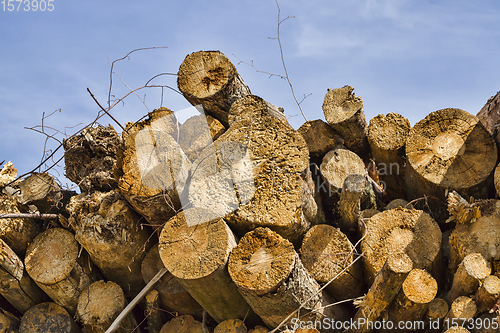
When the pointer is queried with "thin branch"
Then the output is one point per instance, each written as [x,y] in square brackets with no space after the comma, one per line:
[116,121]
[29,216]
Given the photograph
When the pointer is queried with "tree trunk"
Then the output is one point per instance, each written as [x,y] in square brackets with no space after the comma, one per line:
[48,317]
[231,326]
[154,168]
[272,279]
[401,230]
[110,231]
[250,107]
[320,138]
[418,289]
[487,294]
[252,176]
[469,275]
[8,322]
[210,79]
[387,137]
[344,112]
[153,311]
[198,132]
[462,309]
[197,256]
[52,262]
[173,297]
[90,158]
[385,287]
[182,324]
[329,256]
[489,115]
[449,150]
[99,305]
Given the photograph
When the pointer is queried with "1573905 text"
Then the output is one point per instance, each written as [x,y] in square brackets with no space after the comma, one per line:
[27,5]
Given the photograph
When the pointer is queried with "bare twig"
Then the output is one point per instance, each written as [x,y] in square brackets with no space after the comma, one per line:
[29,216]
[116,121]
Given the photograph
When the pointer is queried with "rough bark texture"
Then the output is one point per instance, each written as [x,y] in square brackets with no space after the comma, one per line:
[182,324]
[250,107]
[198,132]
[210,79]
[152,168]
[90,158]
[329,256]
[350,201]
[449,150]
[22,294]
[111,232]
[385,287]
[320,138]
[99,305]
[344,112]
[197,256]
[272,279]
[173,297]
[489,115]
[487,294]
[52,262]
[387,136]
[48,317]
[462,211]
[462,309]
[401,230]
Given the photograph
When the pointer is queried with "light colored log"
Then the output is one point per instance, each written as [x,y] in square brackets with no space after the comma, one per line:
[250,107]
[350,201]
[198,132]
[337,165]
[320,138]
[48,317]
[21,293]
[487,294]
[462,309]
[462,211]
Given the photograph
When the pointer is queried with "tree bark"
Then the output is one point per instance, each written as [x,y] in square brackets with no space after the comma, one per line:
[48,317]
[329,256]
[487,294]
[320,138]
[252,176]
[385,287]
[272,279]
[489,115]
[99,305]
[350,201]
[418,289]
[250,107]
[470,273]
[449,150]
[387,136]
[462,309]
[110,231]
[52,262]
[231,326]
[173,297]
[90,158]
[197,256]
[344,112]
[198,132]
[401,230]
[182,324]
[210,79]
[259,329]
[152,168]
[21,294]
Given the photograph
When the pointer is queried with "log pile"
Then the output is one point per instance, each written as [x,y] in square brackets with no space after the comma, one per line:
[233,221]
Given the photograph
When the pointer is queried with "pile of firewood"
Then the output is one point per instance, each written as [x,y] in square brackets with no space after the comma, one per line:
[235,222]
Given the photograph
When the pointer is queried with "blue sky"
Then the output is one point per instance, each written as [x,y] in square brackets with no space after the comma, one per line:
[411,57]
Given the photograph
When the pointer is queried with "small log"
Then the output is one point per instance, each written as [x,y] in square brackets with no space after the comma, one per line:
[8,322]
[387,136]
[350,201]
[153,311]
[207,280]
[210,79]
[259,329]
[320,138]
[231,326]
[462,211]
[437,310]
[110,232]
[272,279]
[250,107]
[337,165]
[183,324]
[402,230]
[99,305]
[329,257]
[21,293]
[385,287]
[462,309]
[418,289]
[173,297]
[449,150]
[253,176]
[91,158]
[344,112]
[487,294]
[482,236]
[16,232]
[470,273]
[198,132]
[489,115]
[8,174]
[52,262]
[48,317]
